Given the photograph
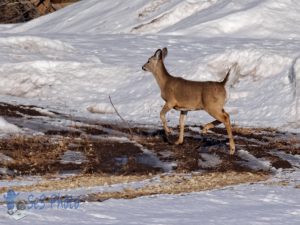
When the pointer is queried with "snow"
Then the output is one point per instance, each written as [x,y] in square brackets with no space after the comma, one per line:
[80,77]
[79,192]
[73,157]
[6,127]
[254,163]
[71,61]
[3,160]
[24,181]
[151,159]
[255,18]
[101,108]
[209,161]
[45,112]
[75,65]
[248,18]
[275,201]
[244,204]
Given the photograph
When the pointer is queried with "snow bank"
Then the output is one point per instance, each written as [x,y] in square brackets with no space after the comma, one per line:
[175,14]
[101,108]
[74,59]
[251,18]
[6,127]
[263,18]
[91,16]
[32,43]
[81,76]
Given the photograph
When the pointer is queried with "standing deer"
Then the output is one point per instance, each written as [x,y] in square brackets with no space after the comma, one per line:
[185,95]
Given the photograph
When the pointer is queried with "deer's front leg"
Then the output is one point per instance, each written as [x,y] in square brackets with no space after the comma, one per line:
[181,127]
[163,112]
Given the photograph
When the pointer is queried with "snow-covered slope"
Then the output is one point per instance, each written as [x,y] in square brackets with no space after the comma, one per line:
[255,18]
[106,16]
[74,59]
[71,61]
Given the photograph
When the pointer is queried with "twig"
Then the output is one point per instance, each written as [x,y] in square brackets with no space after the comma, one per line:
[124,121]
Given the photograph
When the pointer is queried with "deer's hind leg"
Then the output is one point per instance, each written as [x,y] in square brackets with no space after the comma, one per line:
[222,116]
[163,112]
[210,125]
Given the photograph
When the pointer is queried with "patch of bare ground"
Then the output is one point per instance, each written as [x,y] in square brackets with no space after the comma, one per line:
[32,155]
[41,155]
[10,110]
[262,141]
[112,151]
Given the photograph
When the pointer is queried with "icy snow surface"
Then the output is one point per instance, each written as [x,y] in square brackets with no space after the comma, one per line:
[244,204]
[73,59]
[6,127]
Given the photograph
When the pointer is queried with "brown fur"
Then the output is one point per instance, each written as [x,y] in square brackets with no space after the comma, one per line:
[185,95]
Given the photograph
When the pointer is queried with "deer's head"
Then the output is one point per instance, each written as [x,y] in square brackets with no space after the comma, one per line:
[155,60]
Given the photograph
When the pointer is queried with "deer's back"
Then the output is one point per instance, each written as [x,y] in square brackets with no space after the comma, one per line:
[193,95]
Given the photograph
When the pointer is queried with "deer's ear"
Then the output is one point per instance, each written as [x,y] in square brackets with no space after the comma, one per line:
[158,54]
[164,52]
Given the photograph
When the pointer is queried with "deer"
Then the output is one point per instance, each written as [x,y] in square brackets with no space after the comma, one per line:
[187,95]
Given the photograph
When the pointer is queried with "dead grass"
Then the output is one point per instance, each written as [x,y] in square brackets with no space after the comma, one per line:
[168,184]
[82,181]
[41,155]
[279,183]
[33,154]
[178,184]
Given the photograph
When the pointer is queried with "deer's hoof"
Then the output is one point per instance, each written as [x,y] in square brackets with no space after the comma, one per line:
[232,151]
[169,131]
[178,142]
[204,130]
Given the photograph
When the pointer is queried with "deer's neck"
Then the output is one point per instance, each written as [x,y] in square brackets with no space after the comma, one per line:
[161,75]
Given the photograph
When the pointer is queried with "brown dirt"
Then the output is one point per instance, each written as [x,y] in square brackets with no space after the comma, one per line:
[18,110]
[41,155]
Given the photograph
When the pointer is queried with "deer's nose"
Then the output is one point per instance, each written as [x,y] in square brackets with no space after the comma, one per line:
[144,68]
